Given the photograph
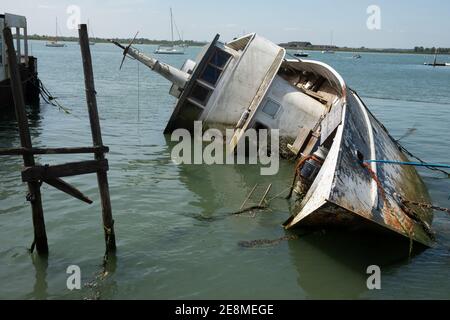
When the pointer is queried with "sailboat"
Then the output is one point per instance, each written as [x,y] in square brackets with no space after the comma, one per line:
[169,49]
[54,43]
[330,51]
[435,63]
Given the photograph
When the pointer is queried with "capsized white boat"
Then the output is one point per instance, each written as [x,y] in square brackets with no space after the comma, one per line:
[324,127]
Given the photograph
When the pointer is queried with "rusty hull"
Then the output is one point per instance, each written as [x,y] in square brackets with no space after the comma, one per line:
[349,193]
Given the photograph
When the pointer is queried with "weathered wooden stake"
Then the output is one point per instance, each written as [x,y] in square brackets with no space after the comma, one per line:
[91,99]
[34,196]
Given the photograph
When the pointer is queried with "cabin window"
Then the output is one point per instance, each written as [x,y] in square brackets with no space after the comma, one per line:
[211,74]
[220,58]
[201,94]
[215,66]
[271,108]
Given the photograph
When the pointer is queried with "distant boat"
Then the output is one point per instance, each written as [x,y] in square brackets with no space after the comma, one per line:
[54,43]
[357,56]
[301,54]
[330,51]
[170,49]
[435,63]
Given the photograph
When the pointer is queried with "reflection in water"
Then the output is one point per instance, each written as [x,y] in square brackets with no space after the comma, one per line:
[226,186]
[103,286]
[333,264]
[40,287]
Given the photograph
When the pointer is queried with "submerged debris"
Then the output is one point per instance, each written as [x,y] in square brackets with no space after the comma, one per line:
[265,242]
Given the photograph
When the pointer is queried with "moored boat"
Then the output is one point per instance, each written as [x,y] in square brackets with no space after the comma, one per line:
[170,49]
[54,43]
[324,128]
[301,54]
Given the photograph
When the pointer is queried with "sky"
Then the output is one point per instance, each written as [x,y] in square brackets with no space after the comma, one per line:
[402,23]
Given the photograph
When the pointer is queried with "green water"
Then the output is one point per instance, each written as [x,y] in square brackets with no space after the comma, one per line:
[175,236]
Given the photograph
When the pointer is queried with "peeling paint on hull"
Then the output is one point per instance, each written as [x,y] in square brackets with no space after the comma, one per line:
[349,193]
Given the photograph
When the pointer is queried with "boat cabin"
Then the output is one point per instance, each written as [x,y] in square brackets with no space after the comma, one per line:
[27,63]
[18,25]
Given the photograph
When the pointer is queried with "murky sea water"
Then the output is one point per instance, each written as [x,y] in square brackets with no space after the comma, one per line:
[175,235]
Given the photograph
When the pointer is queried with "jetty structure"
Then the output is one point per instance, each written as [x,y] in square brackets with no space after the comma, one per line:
[331,136]
[27,64]
[35,174]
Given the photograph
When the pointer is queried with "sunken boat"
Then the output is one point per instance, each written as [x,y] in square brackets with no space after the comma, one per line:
[324,127]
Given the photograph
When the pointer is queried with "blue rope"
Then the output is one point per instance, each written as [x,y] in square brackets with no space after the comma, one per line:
[416,164]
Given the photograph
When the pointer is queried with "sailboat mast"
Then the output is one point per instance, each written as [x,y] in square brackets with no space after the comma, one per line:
[56,29]
[435,56]
[171,24]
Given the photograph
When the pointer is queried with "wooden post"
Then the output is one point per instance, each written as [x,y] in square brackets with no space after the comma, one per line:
[34,196]
[91,99]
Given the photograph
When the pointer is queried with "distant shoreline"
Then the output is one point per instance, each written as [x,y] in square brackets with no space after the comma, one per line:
[359,50]
[192,43]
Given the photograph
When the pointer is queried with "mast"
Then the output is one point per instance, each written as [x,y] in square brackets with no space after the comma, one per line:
[56,29]
[171,24]
[435,57]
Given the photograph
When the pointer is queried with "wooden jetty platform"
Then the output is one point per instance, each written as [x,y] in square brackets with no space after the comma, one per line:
[35,174]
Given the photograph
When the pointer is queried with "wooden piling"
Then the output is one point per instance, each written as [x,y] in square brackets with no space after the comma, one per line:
[91,99]
[34,196]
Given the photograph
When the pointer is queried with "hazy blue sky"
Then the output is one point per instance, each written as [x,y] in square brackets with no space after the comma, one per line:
[404,24]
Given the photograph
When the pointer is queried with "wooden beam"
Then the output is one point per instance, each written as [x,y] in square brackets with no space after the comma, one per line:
[34,191]
[67,188]
[102,177]
[75,150]
[38,173]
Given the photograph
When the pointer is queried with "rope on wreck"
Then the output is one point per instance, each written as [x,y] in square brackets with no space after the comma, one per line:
[423,205]
[407,163]
[298,168]
[402,148]
[50,99]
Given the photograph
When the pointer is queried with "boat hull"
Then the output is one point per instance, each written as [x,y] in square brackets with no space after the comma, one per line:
[347,193]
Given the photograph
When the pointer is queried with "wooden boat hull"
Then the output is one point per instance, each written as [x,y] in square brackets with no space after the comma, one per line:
[345,193]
